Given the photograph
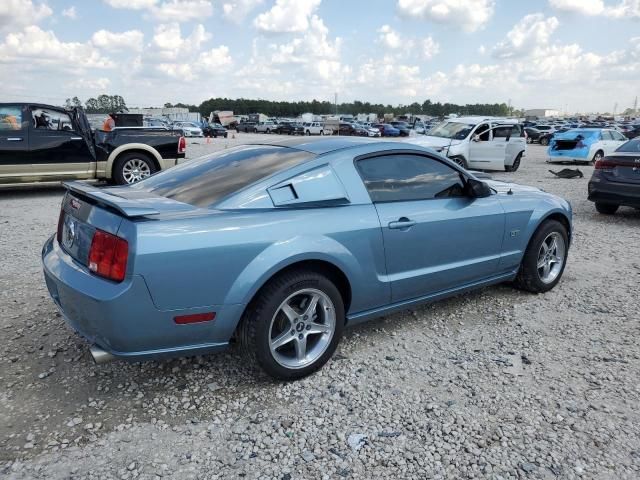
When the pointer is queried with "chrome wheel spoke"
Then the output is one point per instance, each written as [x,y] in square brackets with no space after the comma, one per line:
[318,328]
[311,308]
[289,312]
[281,340]
[551,257]
[301,348]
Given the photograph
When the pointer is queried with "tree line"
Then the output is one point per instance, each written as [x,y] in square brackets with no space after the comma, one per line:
[244,106]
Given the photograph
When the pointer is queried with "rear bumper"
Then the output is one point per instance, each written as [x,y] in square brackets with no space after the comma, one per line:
[616,193]
[122,319]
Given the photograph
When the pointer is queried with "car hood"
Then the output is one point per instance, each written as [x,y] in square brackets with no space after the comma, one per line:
[506,187]
[429,141]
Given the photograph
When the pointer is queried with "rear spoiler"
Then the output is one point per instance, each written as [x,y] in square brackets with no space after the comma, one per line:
[128,208]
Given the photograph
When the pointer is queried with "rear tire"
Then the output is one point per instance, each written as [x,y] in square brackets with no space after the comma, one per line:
[544,141]
[598,156]
[317,328]
[542,266]
[607,208]
[515,166]
[529,140]
[132,167]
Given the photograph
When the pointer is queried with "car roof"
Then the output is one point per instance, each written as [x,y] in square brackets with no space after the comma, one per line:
[320,146]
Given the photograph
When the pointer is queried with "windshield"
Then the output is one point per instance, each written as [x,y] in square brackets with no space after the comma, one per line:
[206,180]
[453,130]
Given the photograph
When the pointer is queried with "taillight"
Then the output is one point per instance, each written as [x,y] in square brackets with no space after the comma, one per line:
[108,256]
[182,145]
[605,165]
[60,225]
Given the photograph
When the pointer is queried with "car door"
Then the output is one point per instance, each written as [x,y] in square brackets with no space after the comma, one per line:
[15,165]
[513,142]
[484,153]
[57,148]
[436,237]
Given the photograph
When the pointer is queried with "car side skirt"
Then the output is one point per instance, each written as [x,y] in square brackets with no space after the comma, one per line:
[360,317]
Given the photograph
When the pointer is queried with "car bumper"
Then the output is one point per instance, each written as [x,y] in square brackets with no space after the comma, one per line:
[616,193]
[121,318]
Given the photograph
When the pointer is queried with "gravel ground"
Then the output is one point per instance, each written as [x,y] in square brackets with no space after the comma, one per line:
[493,384]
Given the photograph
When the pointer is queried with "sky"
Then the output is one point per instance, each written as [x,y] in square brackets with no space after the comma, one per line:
[570,55]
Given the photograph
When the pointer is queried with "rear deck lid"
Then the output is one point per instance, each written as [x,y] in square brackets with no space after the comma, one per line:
[621,166]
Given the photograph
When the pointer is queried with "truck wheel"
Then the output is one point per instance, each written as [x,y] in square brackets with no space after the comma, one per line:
[132,167]
[606,208]
[515,166]
[294,324]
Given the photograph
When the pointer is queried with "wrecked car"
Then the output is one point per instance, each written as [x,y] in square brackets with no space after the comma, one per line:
[584,145]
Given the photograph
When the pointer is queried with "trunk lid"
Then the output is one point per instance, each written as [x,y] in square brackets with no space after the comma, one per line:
[623,167]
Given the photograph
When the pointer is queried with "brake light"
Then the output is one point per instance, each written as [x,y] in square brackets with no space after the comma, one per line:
[605,165]
[182,145]
[60,225]
[108,256]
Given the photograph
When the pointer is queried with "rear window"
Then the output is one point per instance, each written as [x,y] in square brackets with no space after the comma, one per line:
[206,180]
[630,146]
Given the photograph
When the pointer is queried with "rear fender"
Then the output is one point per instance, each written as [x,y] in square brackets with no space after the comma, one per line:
[280,255]
[131,146]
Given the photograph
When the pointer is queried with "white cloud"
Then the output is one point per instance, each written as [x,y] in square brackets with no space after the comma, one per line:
[129,40]
[92,84]
[237,10]
[169,42]
[397,79]
[42,47]
[389,37]
[430,47]
[70,13]
[131,4]
[182,10]
[15,14]
[532,32]
[213,60]
[629,9]
[287,16]
[470,15]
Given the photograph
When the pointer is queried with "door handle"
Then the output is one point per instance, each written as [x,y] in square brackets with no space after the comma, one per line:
[401,224]
[14,139]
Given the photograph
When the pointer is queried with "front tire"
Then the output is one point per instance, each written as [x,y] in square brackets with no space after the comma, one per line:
[132,167]
[607,208]
[294,324]
[460,161]
[545,258]
[544,141]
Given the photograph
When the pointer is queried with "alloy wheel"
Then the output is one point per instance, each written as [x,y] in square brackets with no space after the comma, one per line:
[135,170]
[302,328]
[551,257]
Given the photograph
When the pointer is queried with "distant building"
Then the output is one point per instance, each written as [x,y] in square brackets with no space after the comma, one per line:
[541,113]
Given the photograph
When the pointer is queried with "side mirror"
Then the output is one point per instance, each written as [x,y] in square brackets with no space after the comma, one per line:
[478,189]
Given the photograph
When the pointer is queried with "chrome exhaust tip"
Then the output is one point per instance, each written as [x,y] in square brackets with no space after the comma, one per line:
[99,355]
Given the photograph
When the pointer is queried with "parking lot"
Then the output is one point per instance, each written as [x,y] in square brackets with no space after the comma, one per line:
[496,383]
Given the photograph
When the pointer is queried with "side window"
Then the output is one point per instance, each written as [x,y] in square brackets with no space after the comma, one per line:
[44,119]
[606,135]
[483,132]
[10,118]
[406,177]
[618,136]
[502,132]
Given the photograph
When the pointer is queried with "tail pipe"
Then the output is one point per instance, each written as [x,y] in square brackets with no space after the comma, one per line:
[99,355]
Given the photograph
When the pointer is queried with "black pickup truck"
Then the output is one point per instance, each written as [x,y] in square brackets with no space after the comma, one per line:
[43,143]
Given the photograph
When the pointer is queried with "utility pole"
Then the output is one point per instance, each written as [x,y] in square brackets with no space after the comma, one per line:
[635,107]
[335,101]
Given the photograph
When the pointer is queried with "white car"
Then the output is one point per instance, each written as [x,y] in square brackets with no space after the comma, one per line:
[265,127]
[189,129]
[584,144]
[316,128]
[478,143]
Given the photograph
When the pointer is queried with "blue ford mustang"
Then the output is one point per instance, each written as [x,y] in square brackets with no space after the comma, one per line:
[279,246]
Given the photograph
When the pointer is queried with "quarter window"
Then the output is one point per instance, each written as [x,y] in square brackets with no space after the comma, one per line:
[10,118]
[406,177]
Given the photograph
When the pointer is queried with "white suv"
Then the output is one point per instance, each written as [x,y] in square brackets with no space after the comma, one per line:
[482,143]
[315,128]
